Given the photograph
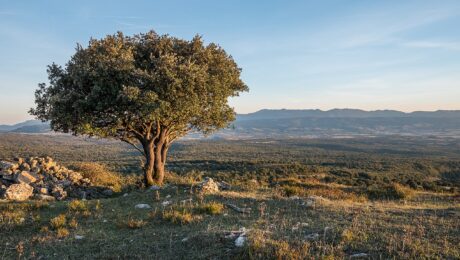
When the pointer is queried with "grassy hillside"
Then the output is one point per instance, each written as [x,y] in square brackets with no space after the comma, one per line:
[324,198]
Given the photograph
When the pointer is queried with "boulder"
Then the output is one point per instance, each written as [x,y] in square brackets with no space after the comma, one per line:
[19,192]
[4,165]
[26,177]
[209,186]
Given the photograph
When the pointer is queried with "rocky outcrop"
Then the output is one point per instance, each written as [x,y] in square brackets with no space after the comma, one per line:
[43,178]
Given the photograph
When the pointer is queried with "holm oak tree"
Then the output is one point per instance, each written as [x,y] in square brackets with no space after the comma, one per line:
[147,90]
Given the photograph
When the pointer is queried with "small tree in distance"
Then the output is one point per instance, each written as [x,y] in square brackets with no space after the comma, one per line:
[147,90]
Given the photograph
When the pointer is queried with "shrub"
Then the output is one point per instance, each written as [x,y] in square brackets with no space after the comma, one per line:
[77,205]
[62,232]
[290,191]
[135,223]
[390,192]
[58,222]
[73,223]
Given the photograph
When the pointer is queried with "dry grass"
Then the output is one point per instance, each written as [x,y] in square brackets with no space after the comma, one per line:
[58,221]
[211,208]
[77,205]
[99,175]
[134,223]
[181,217]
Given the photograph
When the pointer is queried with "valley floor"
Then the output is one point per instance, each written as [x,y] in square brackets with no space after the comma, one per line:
[302,199]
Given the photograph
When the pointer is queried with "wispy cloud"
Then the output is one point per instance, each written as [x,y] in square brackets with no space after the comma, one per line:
[452,46]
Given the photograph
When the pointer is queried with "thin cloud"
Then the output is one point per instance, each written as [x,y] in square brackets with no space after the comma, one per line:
[452,46]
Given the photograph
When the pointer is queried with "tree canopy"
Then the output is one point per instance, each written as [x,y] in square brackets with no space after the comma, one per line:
[147,90]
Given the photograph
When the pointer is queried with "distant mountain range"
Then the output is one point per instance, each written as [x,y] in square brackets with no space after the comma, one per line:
[29,126]
[284,123]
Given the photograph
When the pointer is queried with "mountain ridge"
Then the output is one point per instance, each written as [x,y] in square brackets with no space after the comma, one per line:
[286,123]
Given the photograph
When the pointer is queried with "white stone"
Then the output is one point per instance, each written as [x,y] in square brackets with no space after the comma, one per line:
[142,206]
[240,241]
[166,203]
[359,255]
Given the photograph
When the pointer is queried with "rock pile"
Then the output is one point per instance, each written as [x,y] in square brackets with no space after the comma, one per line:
[43,179]
[208,185]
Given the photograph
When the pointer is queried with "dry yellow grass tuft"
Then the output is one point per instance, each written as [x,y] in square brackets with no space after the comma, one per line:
[58,222]
[62,232]
[211,208]
[179,216]
[77,205]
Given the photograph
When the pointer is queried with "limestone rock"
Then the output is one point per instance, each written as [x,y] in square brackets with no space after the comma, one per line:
[59,193]
[44,197]
[19,192]
[26,177]
[142,206]
[4,165]
[209,186]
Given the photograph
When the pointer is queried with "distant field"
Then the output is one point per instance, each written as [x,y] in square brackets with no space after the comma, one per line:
[432,163]
[392,197]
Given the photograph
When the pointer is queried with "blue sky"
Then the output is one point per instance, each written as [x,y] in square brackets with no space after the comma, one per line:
[402,55]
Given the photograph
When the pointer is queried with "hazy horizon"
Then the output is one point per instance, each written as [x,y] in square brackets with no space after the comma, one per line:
[299,55]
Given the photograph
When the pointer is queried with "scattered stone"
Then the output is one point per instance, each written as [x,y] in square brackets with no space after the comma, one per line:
[78,237]
[185,239]
[209,186]
[125,195]
[312,201]
[242,238]
[166,203]
[142,206]
[19,192]
[186,201]
[108,192]
[358,255]
[44,197]
[240,241]
[313,236]
[238,209]
[154,188]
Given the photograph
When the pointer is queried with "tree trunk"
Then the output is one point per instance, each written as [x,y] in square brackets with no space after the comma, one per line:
[149,164]
[159,166]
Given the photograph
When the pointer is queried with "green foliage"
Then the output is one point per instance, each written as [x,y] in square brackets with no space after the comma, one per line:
[144,89]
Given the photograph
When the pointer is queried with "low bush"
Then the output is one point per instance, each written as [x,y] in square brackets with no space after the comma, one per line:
[58,222]
[394,191]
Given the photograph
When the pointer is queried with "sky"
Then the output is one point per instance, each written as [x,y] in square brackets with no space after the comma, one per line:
[370,55]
